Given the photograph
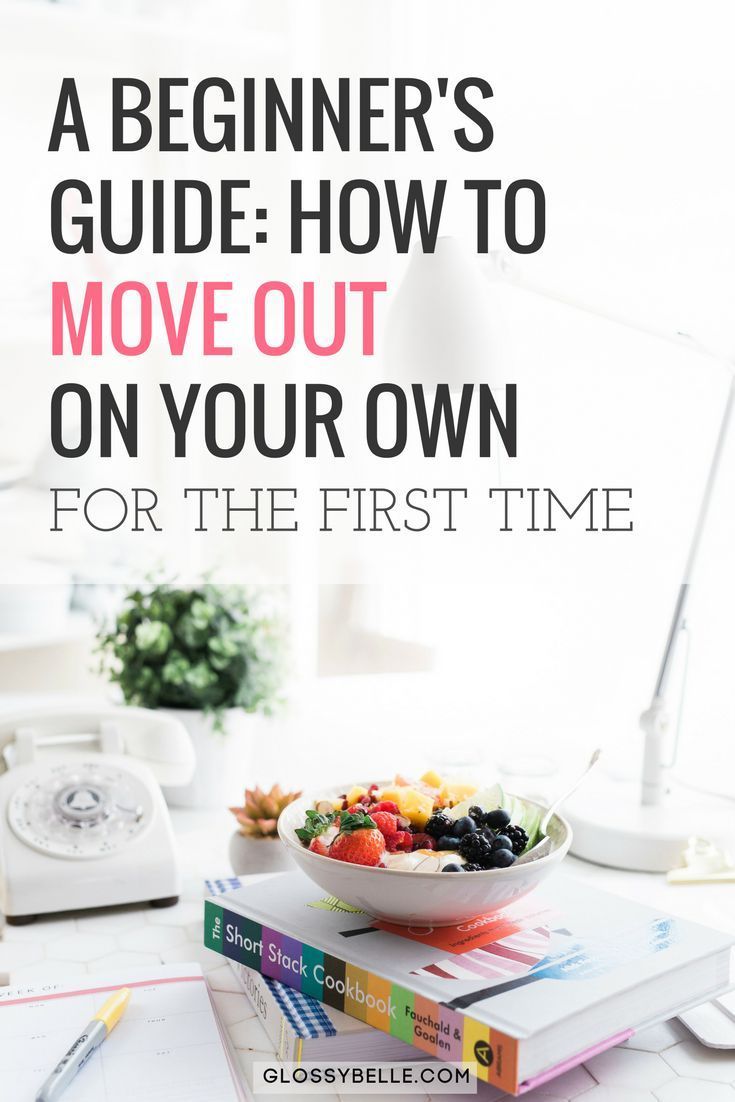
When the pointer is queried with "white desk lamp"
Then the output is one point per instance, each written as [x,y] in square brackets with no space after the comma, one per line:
[641,825]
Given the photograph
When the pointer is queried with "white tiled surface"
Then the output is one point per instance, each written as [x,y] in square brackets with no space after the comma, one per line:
[663,1064]
[629,1068]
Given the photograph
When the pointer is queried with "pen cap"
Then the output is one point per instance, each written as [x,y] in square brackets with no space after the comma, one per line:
[113,1009]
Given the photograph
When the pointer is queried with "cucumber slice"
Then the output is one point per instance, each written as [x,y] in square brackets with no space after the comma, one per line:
[522,814]
[518,810]
[525,815]
[487,798]
[495,798]
[532,825]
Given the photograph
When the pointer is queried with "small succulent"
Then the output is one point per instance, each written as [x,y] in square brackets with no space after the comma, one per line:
[259,814]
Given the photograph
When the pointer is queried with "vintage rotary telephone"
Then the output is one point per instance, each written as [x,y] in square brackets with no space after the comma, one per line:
[83,821]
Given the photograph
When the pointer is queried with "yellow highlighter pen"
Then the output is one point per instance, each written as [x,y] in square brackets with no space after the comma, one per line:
[86,1043]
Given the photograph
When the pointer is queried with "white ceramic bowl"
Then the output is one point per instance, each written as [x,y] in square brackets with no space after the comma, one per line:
[423,898]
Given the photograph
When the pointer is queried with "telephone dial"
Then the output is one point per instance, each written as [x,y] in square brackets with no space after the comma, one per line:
[83,821]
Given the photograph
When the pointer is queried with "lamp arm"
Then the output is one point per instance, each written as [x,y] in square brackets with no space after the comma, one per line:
[655,721]
[681,601]
[502,267]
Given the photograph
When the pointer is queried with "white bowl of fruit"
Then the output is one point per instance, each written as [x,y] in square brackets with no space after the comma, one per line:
[429,852]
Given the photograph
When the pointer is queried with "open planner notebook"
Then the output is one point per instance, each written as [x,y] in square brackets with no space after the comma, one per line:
[169,1045]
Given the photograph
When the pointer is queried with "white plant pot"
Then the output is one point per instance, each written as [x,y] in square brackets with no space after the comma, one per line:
[223,758]
[249,855]
[37,603]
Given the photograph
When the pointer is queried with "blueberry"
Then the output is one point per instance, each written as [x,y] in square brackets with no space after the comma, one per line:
[448,841]
[463,826]
[497,819]
[502,842]
[500,859]
[452,868]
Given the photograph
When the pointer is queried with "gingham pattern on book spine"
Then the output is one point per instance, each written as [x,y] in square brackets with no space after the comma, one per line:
[223,886]
[305,1015]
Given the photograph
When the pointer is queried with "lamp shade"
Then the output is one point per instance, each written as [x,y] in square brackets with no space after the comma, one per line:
[438,329]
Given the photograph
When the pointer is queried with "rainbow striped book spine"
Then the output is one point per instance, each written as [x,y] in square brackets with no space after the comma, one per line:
[427,1025]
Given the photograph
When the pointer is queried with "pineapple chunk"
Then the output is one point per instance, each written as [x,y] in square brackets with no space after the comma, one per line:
[433,779]
[355,793]
[392,792]
[419,808]
[453,792]
[416,806]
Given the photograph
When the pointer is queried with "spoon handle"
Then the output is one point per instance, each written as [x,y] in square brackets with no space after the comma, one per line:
[565,796]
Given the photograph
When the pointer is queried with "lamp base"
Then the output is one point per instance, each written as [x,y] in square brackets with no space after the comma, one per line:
[611,827]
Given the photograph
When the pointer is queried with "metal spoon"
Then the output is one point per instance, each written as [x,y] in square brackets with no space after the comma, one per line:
[542,848]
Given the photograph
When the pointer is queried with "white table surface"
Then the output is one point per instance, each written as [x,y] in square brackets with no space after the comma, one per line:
[663,1064]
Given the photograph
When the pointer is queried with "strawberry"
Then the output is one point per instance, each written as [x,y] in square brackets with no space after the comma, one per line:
[385,805]
[400,842]
[318,845]
[359,847]
[386,823]
[423,841]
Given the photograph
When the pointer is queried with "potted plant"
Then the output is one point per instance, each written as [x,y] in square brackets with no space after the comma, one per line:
[255,847]
[210,656]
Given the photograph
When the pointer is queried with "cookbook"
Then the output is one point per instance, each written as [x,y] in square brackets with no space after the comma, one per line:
[523,994]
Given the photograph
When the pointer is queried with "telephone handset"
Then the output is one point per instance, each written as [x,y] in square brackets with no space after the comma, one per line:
[84,787]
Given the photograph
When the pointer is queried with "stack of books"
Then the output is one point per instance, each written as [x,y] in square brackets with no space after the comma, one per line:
[523,994]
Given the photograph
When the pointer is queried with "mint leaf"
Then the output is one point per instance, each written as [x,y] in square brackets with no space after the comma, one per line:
[315,824]
[349,823]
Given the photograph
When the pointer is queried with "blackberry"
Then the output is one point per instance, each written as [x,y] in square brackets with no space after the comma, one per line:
[518,838]
[472,867]
[475,847]
[477,814]
[439,824]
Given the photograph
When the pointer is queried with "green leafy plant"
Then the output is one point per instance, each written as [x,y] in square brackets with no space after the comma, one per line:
[208,648]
